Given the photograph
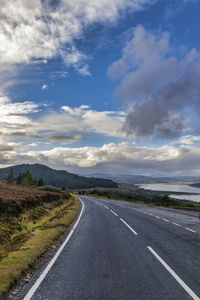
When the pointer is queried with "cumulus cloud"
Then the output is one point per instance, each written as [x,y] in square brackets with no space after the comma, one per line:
[68,125]
[104,122]
[122,158]
[40,30]
[161,87]
[65,126]
[22,128]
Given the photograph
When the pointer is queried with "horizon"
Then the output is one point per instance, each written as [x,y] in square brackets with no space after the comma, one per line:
[105,174]
[109,88]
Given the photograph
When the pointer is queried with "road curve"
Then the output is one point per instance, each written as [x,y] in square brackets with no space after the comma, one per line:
[123,250]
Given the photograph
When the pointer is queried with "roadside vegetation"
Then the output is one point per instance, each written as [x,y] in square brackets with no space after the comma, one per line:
[25,179]
[31,220]
[141,196]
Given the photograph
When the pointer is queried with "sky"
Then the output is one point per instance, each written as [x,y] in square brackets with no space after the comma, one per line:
[93,86]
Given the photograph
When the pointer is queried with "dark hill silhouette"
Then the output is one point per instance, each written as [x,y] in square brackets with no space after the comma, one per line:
[59,178]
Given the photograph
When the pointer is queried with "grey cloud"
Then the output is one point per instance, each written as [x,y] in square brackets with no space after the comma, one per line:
[4,148]
[157,86]
[63,138]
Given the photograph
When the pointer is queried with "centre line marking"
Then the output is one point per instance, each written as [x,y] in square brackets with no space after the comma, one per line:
[178,279]
[114,213]
[158,217]
[129,227]
[176,224]
[165,220]
[190,229]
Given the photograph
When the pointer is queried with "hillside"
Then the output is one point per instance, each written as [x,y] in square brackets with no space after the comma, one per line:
[139,179]
[59,178]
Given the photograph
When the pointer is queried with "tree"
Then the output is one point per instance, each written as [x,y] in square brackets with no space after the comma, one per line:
[19,179]
[27,178]
[40,182]
[10,178]
[165,200]
[35,182]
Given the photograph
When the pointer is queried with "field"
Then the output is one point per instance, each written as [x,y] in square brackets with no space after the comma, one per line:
[31,220]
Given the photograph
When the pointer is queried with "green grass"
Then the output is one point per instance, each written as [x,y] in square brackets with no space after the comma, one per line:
[42,233]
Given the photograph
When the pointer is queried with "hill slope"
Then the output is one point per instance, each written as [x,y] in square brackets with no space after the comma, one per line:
[59,178]
[139,179]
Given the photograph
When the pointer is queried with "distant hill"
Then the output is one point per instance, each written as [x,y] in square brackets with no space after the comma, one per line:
[139,179]
[196,184]
[59,178]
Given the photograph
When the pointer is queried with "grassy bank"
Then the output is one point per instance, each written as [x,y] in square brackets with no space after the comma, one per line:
[26,235]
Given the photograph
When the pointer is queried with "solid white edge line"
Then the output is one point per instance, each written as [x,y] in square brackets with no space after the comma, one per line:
[33,289]
[114,213]
[129,227]
[178,279]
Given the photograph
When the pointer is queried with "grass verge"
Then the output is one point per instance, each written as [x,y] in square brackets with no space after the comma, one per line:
[42,233]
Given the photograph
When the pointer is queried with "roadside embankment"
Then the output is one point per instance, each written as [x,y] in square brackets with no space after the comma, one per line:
[30,222]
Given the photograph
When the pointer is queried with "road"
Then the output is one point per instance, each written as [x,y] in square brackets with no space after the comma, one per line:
[122,250]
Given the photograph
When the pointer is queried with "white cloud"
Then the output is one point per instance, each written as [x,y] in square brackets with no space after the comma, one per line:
[67,126]
[40,30]
[187,140]
[162,91]
[44,87]
[123,158]
[71,125]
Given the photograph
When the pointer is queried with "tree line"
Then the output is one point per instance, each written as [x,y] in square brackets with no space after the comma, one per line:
[25,179]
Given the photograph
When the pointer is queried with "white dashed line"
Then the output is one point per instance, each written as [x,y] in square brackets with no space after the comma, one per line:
[146,213]
[129,226]
[178,279]
[113,213]
[176,224]
[165,220]
[106,207]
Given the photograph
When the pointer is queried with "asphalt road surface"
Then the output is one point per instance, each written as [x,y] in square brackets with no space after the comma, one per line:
[122,250]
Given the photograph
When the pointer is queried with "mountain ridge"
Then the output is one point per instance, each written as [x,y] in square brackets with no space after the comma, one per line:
[59,178]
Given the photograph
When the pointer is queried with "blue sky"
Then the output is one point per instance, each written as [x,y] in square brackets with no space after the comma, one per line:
[93,86]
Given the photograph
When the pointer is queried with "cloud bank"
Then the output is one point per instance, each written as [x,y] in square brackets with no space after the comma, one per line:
[21,121]
[121,158]
[161,88]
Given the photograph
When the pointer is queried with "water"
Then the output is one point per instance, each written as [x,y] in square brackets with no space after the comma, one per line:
[181,188]
[195,198]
